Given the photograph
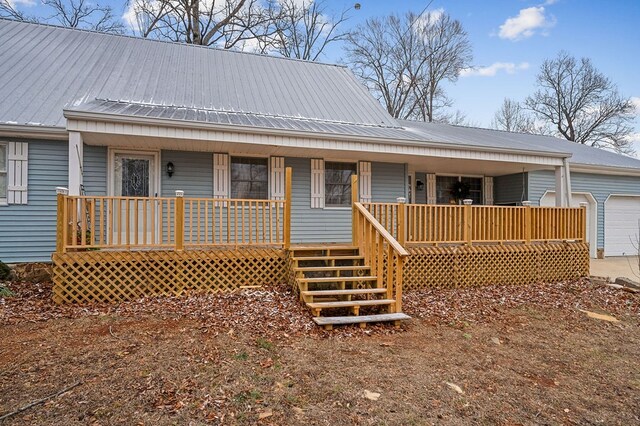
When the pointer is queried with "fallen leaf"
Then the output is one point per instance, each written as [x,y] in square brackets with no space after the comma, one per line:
[264,414]
[373,396]
[455,387]
[385,344]
[496,340]
[600,316]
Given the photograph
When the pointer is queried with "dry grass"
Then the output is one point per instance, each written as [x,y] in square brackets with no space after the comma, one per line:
[520,356]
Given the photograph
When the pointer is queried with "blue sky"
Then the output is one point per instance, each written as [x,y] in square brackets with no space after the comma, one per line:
[510,39]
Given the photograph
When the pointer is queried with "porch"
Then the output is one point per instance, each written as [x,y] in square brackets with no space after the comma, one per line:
[116,248]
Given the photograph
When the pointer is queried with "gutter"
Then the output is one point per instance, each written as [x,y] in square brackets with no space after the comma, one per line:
[605,170]
[36,132]
[118,118]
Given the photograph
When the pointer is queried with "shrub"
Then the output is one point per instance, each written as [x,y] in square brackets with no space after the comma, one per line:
[5,271]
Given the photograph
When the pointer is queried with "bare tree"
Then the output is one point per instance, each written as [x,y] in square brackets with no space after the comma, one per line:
[582,104]
[70,13]
[513,117]
[304,29]
[223,23]
[404,60]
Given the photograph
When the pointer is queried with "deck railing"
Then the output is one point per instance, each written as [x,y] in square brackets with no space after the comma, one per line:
[95,222]
[381,251]
[467,224]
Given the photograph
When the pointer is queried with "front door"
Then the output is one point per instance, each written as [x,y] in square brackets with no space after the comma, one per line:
[134,178]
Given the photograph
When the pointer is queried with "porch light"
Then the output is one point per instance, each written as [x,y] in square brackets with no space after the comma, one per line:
[419,185]
[170,168]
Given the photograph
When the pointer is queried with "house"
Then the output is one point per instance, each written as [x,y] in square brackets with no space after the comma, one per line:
[183,147]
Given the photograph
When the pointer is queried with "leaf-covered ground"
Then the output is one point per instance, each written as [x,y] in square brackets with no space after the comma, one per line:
[492,355]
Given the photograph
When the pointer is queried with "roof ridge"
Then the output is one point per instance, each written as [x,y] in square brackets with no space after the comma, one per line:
[259,114]
[129,36]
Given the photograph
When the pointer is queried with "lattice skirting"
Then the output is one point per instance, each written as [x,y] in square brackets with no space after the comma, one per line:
[110,276]
[463,266]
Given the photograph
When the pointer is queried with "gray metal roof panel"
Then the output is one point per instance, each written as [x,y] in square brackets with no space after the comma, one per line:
[45,69]
[580,154]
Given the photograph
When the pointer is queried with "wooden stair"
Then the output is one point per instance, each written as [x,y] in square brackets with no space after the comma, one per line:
[334,277]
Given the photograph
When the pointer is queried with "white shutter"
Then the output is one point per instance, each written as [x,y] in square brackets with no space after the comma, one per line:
[276,182]
[17,173]
[364,179]
[317,183]
[431,188]
[487,191]
[220,175]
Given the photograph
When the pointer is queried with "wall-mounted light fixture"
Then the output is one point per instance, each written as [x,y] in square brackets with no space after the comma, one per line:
[170,168]
[419,185]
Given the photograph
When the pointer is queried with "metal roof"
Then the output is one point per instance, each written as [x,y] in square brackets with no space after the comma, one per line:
[45,69]
[580,154]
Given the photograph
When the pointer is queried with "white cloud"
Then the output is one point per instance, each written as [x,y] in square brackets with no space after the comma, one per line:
[635,100]
[14,3]
[493,69]
[428,18]
[526,24]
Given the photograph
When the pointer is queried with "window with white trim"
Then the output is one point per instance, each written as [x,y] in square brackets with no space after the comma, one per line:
[3,172]
[250,178]
[337,183]
[446,186]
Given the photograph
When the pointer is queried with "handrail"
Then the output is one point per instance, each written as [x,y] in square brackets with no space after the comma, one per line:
[383,232]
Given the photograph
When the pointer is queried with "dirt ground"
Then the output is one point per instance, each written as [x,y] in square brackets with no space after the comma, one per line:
[495,355]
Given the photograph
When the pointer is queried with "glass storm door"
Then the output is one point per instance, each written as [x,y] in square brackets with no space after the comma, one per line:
[134,177]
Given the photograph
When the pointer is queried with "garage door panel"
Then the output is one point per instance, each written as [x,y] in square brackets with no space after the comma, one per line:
[622,220]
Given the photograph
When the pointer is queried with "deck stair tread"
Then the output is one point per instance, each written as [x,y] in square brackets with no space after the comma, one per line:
[344,292]
[330,268]
[332,257]
[357,319]
[323,248]
[337,279]
[349,303]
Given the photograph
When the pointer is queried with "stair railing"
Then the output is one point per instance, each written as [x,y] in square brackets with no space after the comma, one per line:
[383,253]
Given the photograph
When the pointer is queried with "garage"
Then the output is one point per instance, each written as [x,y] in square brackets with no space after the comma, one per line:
[621,222]
[549,200]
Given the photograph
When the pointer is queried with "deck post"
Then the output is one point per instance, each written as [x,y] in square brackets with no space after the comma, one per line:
[583,221]
[178,225]
[354,213]
[468,225]
[527,222]
[402,227]
[61,228]
[287,207]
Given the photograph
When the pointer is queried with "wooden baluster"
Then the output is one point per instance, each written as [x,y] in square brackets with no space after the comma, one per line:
[179,221]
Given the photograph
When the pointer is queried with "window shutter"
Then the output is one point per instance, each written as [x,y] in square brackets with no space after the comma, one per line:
[487,191]
[431,188]
[17,173]
[276,181]
[317,183]
[220,175]
[364,180]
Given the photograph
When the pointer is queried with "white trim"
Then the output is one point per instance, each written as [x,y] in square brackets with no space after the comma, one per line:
[411,175]
[4,200]
[593,225]
[111,155]
[619,195]
[283,139]
[36,132]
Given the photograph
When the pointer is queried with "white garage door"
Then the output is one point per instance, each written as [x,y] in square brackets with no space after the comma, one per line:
[621,217]
[549,200]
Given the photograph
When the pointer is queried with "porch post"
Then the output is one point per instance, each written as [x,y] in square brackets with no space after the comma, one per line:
[61,226]
[567,182]
[468,223]
[76,158]
[287,207]
[561,195]
[527,222]
[178,224]
[354,218]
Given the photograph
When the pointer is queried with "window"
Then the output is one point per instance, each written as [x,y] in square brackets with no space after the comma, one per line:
[3,172]
[446,184]
[337,183]
[249,178]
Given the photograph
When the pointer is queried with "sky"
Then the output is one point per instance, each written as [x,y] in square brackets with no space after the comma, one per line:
[510,40]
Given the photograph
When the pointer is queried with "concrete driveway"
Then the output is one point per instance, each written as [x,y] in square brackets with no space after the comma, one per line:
[614,267]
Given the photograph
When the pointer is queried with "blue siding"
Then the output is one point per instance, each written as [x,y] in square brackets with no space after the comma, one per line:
[94,173]
[387,182]
[510,189]
[28,232]
[193,173]
[600,186]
